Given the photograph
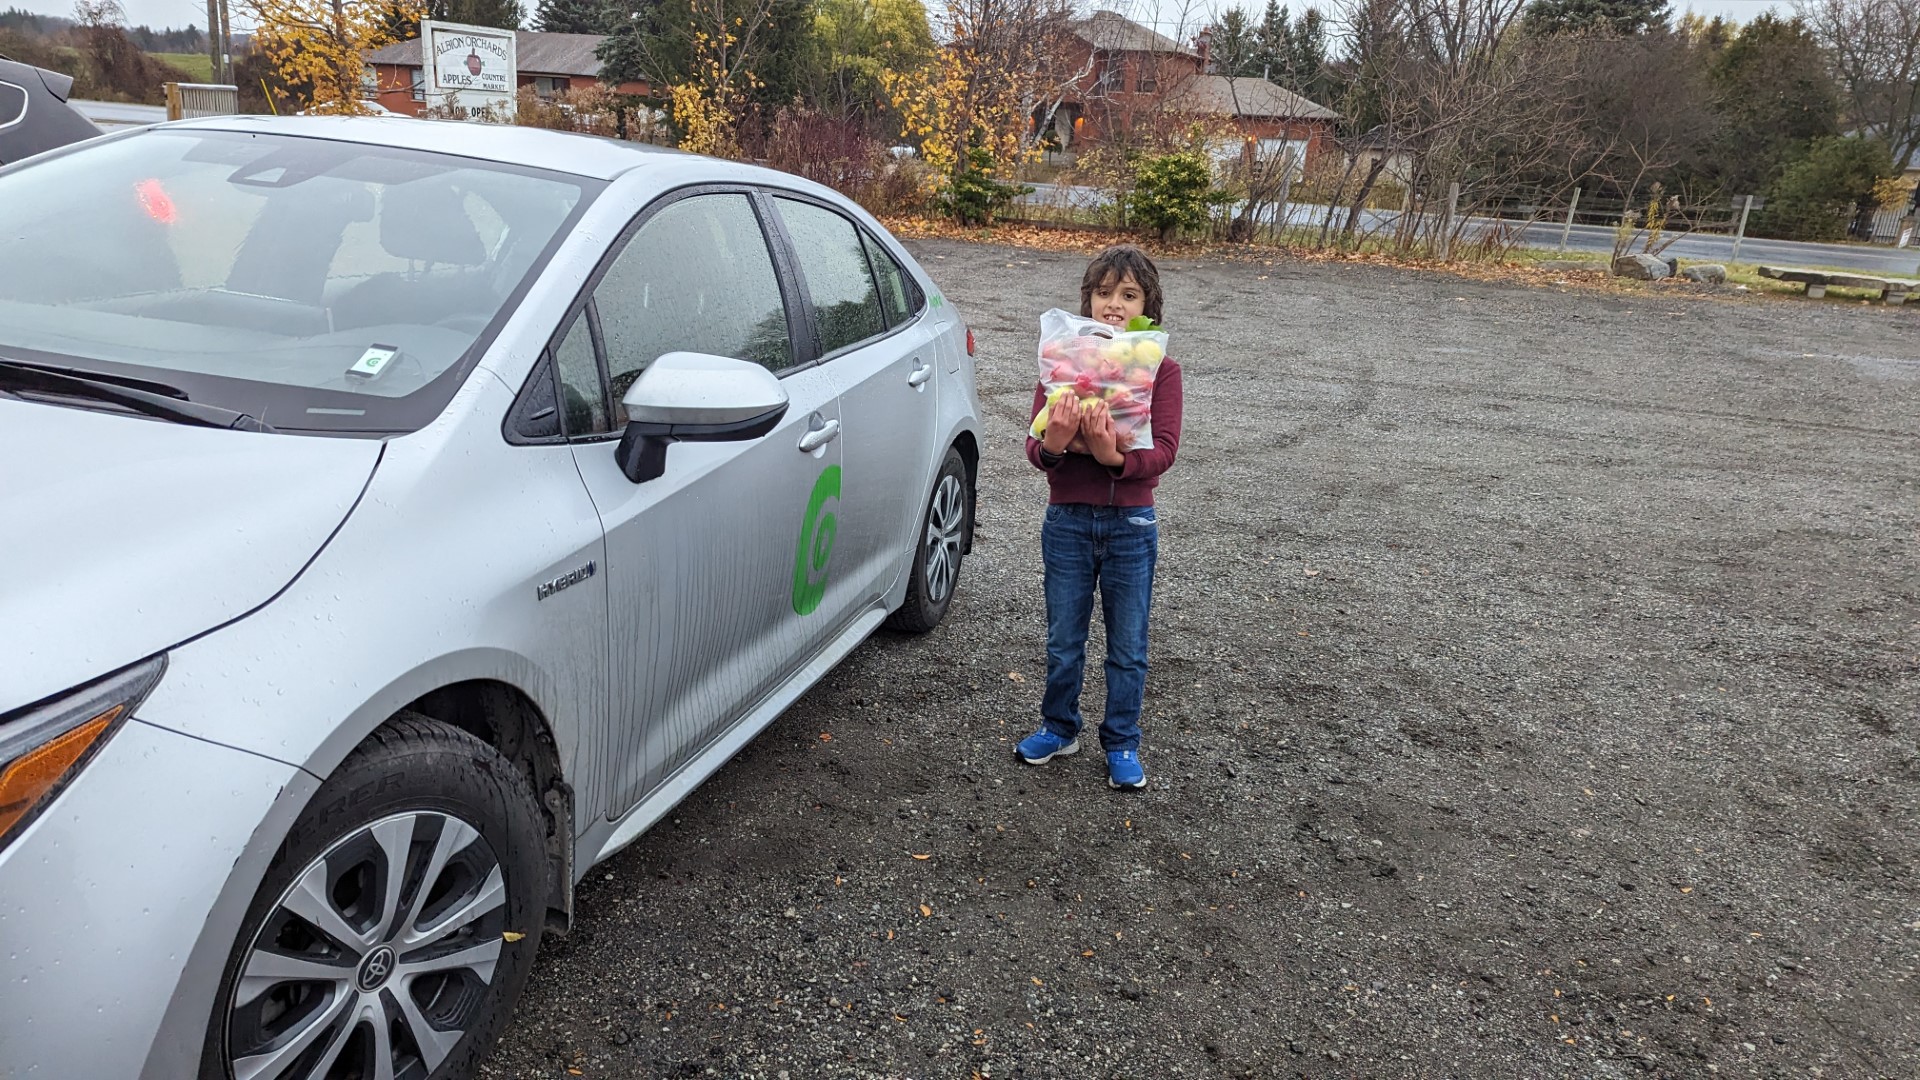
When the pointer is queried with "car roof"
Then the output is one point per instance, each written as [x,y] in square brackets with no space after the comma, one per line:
[582,155]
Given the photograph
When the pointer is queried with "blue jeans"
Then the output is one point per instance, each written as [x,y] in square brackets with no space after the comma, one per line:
[1113,547]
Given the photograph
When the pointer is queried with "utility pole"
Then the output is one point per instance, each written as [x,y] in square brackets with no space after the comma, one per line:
[213,40]
[225,72]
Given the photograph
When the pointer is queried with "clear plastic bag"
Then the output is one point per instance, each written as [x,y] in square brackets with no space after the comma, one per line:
[1092,360]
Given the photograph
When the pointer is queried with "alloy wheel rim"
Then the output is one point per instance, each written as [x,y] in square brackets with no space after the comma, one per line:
[376,960]
[946,521]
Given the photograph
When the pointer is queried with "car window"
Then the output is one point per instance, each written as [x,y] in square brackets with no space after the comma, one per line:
[586,397]
[319,285]
[697,277]
[899,297]
[845,303]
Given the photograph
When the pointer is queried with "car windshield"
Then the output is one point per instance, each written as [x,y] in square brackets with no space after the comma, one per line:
[320,286]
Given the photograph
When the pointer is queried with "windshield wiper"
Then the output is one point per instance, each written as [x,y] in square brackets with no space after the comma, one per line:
[171,405]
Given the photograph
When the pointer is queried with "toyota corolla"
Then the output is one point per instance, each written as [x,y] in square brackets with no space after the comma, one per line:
[397,518]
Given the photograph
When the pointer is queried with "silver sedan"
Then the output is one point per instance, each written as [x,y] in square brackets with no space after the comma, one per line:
[399,518]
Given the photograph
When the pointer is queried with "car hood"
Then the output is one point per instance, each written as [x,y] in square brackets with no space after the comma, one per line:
[121,537]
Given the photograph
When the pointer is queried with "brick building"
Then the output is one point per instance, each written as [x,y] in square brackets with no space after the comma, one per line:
[1131,77]
[550,63]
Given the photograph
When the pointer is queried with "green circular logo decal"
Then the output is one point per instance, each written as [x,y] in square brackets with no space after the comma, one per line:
[816,543]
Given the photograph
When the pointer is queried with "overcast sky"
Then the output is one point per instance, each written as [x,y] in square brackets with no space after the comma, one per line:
[178,13]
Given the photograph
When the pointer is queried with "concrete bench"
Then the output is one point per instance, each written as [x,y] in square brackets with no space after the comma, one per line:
[1892,290]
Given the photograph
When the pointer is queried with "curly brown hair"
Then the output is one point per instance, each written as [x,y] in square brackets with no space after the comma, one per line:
[1115,265]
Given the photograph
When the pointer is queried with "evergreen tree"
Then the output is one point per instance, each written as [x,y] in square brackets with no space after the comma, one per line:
[1273,53]
[570,16]
[504,14]
[1774,97]
[1234,45]
[1620,16]
[1307,57]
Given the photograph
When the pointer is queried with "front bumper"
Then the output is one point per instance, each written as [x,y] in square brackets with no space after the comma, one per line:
[120,903]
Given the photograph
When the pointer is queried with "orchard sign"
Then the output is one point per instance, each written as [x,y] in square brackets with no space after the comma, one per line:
[469,68]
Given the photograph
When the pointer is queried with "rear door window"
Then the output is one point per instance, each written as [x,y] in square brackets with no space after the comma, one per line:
[899,295]
[846,305]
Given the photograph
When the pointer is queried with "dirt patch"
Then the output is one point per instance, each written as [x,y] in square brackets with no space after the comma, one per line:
[1534,694]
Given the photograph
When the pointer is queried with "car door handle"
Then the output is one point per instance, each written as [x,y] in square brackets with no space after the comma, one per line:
[820,436]
[922,371]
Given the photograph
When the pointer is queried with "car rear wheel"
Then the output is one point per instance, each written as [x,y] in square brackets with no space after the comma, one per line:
[397,923]
[937,554]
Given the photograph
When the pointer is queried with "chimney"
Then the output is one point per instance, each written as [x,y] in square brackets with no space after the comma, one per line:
[1203,43]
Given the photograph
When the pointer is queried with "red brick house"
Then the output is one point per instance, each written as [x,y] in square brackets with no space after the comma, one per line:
[550,63]
[1272,119]
[1130,77]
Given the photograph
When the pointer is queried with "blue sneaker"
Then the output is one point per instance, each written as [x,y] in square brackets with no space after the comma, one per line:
[1043,746]
[1124,770]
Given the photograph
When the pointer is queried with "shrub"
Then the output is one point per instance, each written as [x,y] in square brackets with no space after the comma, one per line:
[1172,192]
[590,110]
[1815,198]
[837,153]
[973,196]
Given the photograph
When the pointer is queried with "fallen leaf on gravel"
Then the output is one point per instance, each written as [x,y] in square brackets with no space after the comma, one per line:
[1128,823]
[512,935]
[1086,952]
[1303,633]
[900,1018]
[575,1072]
[1313,573]
[926,912]
[1016,676]
[838,881]
[1555,1019]
[1686,888]
[1036,980]
[922,858]
[1588,790]
[826,736]
[889,935]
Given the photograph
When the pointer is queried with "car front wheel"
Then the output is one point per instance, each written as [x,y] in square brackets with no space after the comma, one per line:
[396,924]
[935,573]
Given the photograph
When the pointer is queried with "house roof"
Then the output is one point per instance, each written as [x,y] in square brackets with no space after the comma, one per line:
[1250,97]
[535,53]
[1114,32]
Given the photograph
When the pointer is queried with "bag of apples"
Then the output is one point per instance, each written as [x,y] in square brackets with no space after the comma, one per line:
[1092,360]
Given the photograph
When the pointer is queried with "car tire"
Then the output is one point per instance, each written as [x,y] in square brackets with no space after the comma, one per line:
[942,542]
[336,956]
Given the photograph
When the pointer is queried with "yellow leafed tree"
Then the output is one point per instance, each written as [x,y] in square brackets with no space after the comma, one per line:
[721,44]
[982,86]
[323,44]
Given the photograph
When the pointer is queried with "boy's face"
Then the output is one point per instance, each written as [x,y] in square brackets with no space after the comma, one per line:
[1115,302]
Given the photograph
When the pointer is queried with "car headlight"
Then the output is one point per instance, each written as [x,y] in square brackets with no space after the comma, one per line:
[44,746]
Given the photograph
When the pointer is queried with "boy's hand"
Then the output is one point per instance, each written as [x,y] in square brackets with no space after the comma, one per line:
[1063,423]
[1097,428]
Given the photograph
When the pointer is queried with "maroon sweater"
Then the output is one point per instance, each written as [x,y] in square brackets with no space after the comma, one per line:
[1077,478]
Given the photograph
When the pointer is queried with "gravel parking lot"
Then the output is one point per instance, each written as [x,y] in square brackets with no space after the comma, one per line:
[1535,694]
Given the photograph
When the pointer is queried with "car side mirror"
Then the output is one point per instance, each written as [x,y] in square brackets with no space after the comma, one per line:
[694,397]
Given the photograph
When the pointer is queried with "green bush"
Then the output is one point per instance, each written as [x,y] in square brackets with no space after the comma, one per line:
[1817,195]
[974,197]
[1172,192]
